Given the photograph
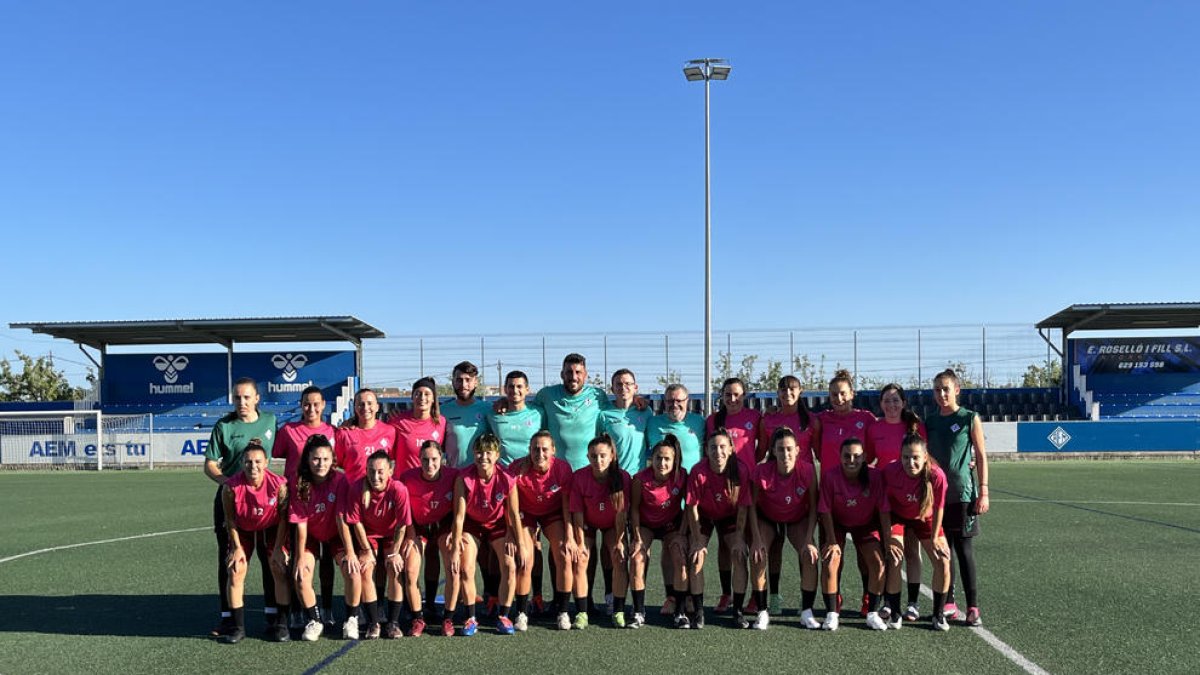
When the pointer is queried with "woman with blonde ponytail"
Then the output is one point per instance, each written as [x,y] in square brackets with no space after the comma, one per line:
[914,502]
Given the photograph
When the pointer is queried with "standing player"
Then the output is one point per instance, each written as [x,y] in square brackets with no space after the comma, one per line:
[956,444]
[486,513]
[657,513]
[466,416]
[842,421]
[543,486]
[320,492]
[600,504]
[792,413]
[785,499]
[884,439]
[252,501]
[222,461]
[431,499]
[742,424]
[290,438]
[915,496]
[849,505]
[516,426]
[625,423]
[377,517]
[362,435]
[739,420]
[686,426]
[718,498]
[423,423]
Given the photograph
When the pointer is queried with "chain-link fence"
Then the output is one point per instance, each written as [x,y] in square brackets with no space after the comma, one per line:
[986,356]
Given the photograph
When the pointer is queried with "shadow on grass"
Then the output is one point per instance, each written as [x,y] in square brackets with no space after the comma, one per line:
[119,615]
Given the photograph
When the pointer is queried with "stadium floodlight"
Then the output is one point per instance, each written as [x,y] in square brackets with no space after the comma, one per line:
[707,70]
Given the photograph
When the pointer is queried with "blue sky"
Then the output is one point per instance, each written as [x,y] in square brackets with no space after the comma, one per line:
[446,168]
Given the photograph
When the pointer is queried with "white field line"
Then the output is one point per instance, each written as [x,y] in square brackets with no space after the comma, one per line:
[998,644]
[1099,503]
[102,541]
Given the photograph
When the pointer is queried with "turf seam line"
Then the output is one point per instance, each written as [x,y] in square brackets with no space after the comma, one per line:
[1070,505]
[999,645]
[102,541]
[331,658]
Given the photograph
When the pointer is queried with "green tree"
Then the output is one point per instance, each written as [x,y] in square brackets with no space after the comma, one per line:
[811,375]
[38,380]
[672,377]
[1045,374]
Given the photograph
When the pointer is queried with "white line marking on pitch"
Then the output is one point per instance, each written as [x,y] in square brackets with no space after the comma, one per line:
[1098,503]
[998,644]
[102,541]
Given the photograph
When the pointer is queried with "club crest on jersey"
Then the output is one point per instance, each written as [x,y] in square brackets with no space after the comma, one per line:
[749,426]
[554,488]
[435,435]
[858,424]
[268,434]
[449,496]
[271,501]
[499,498]
[331,497]
[955,428]
[674,492]
[383,443]
[800,491]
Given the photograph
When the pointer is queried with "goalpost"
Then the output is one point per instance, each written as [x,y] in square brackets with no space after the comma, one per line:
[76,439]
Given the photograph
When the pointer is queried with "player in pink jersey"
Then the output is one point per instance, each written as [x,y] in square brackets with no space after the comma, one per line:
[423,423]
[431,499]
[362,435]
[543,487]
[487,512]
[376,515]
[792,413]
[599,503]
[741,423]
[290,438]
[849,505]
[914,504]
[656,512]
[841,422]
[313,510]
[883,441]
[785,499]
[718,498]
[252,500]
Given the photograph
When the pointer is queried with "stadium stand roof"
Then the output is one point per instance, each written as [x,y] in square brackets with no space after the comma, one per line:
[1124,316]
[101,334]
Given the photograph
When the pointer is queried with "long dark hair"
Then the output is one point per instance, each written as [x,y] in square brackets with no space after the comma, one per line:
[616,483]
[802,411]
[912,422]
[305,477]
[719,418]
[671,442]
[732,473]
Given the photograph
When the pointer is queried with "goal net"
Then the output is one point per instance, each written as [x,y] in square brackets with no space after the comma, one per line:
[75,439]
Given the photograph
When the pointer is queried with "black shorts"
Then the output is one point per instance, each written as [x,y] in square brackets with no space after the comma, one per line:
[723,526]
[780,528]
[433,530]
[663,531]
[961,519]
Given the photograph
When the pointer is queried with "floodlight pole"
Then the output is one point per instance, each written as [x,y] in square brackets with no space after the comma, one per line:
[705,71]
